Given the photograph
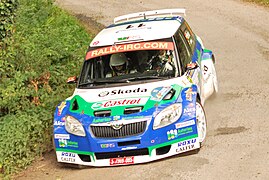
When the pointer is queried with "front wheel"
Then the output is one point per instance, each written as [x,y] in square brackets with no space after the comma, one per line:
[201,122]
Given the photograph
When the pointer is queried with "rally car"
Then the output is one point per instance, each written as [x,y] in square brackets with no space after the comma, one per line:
[140,94]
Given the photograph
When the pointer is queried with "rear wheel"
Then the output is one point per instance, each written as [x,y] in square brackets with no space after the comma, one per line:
[201,122]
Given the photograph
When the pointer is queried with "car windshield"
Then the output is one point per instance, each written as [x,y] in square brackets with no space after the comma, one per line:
[104,67]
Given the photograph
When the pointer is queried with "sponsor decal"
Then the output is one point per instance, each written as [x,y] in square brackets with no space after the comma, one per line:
[95,43]
[134,117]
[186,142]
[175,133]
[129,47]
[97,105]
[121,160]
[127,38]
[129,148]
[111,145]
[68,154]
[158,94]
[61,136]
[189,94]
[116,118]
[185,131]
[61,108]
[184,124]
[121,102]
[101,120]
[172,134]
[189,110]
[121,92]
[186,145]
[103,94]
[67,143]
[68,159]
[58,123]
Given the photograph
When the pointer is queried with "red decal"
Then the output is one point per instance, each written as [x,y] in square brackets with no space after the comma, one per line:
[121,102]
[95,43]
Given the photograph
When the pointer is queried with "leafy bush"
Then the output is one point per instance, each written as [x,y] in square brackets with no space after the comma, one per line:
[7,15]
[47,46]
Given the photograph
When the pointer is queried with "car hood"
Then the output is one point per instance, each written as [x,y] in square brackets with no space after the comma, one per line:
[117,99]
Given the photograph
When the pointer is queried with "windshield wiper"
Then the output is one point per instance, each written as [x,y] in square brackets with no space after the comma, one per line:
[144,78]
[99,82]
[126,80]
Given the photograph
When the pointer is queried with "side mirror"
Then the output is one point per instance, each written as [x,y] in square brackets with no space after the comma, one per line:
[192,66]
[72,80]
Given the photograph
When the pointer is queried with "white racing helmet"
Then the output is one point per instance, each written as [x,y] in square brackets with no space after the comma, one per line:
[118,59]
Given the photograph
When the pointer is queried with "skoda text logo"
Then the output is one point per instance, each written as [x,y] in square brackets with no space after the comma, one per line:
[120,91]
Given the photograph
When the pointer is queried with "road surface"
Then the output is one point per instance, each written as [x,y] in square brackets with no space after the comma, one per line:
[237,145]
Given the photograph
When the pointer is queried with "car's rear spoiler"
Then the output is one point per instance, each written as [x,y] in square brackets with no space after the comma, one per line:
[149,14]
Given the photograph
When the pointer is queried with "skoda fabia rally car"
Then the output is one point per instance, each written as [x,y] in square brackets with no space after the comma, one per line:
[140,94]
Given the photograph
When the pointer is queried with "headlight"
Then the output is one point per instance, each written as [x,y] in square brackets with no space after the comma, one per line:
[168,116]
[73,126]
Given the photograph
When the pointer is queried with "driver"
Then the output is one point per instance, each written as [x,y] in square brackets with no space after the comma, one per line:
[118,64]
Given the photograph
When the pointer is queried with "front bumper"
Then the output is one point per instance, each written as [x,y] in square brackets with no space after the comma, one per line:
[127,157]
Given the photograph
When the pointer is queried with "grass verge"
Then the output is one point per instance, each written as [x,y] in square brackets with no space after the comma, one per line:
[47,46]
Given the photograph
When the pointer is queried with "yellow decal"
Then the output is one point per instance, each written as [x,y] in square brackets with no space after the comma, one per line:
[61,108]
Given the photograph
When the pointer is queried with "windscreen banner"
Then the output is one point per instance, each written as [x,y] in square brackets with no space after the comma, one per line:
[129,47]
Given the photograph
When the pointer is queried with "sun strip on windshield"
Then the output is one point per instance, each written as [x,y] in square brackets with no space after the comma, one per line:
[129,47]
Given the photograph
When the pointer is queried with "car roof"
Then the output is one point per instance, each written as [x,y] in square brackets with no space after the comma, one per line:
[138,30]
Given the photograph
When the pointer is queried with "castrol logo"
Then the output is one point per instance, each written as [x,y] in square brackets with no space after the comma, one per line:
[120,102]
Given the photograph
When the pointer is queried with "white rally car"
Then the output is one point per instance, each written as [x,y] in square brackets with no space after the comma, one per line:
[140,94]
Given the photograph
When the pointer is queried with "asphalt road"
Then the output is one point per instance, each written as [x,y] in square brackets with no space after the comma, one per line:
[237,145]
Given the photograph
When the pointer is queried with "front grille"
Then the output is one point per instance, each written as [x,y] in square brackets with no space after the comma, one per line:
[126,130]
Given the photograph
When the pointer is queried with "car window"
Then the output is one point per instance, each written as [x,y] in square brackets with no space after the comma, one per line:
[183,51]
[142,61]
[188,35]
